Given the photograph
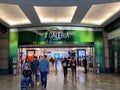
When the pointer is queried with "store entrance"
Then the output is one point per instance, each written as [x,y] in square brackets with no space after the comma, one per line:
[58,54]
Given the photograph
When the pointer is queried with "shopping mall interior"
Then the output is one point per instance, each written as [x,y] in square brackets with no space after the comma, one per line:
[83,29]
[58,54]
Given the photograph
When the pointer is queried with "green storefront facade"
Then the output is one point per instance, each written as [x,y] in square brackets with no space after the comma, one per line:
[114,50]
[57,36]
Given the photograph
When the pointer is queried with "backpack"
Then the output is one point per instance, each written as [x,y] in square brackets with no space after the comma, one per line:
[27,73]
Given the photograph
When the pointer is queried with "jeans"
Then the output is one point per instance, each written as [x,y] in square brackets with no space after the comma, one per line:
[26,81]
[44,79]
[35,71]
[73,71]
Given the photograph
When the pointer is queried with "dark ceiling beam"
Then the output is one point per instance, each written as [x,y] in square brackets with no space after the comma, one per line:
[30,13]
[113,25]
[54,46]
[79,14]
[11,1]
[104,1]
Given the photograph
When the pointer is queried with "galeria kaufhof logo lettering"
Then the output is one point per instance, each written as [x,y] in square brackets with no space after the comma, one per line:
[55,34]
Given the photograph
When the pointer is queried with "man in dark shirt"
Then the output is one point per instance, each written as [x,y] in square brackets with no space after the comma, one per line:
[85,64]
[65,66]
[35,68]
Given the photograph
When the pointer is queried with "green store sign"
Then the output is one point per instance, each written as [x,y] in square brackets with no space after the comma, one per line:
[57,36]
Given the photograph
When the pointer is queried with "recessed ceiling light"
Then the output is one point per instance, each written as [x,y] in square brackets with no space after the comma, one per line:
[98,14]
[55,14]
[13,15]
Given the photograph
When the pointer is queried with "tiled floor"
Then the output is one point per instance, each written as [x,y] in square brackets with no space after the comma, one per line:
[56,81]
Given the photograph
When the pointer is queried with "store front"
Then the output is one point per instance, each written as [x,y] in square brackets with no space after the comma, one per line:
[114,50]
[57,36]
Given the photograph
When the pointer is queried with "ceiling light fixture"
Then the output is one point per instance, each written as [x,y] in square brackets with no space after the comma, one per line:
[100,13]
[13,15]
[55,14]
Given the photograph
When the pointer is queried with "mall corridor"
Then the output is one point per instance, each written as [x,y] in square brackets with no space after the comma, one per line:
[56,81]
[71,33]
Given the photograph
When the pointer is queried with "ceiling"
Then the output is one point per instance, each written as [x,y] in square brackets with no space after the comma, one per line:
[31,13]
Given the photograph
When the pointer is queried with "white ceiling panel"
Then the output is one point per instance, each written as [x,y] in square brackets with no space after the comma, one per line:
[13,15]
[55,14]
[98,14]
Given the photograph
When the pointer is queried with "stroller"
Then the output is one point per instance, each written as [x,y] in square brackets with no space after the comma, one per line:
[27,82]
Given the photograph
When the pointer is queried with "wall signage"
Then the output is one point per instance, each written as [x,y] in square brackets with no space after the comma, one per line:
[55,34]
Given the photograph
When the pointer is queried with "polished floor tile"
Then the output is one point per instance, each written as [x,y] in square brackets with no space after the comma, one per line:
[56,81]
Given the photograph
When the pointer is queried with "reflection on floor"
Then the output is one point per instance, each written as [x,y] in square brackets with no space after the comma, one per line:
[56,81]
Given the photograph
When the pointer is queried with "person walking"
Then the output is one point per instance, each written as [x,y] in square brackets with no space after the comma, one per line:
[35,68]
[85,64]
[73,67]
[44,70]
[65,66]
[52,61]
